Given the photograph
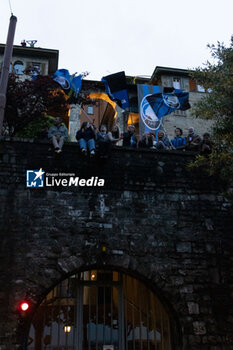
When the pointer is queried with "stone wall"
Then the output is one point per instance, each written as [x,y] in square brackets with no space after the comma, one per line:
[161,223]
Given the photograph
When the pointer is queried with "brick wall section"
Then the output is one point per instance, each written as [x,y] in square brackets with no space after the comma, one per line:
[160,223]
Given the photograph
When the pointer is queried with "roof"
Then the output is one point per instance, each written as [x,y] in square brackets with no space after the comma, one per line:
[37,52]
[159,70]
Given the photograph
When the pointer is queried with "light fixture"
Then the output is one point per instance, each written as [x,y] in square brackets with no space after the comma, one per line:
[67,329]
[24,306]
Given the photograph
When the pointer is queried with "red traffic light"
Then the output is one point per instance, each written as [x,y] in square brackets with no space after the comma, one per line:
[24,306]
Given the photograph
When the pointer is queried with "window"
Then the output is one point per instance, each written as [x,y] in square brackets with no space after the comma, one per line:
[90,110]
[96,308]
[176,83]
[200,88]
[180,113]
[18,68]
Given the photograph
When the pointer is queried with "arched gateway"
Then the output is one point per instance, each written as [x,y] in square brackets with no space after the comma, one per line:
[100,309]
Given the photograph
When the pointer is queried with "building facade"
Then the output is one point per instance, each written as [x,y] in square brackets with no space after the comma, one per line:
[29,60]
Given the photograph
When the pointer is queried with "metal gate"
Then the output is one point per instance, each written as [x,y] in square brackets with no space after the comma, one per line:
[100,310]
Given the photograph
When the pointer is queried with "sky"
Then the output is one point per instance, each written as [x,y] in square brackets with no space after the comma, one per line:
[106,36]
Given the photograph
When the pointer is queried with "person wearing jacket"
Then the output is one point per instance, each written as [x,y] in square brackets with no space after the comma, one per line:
[58,134]
[104,142]
[192,140]
[129,139]
[86,138]
[178,142]
[163,142]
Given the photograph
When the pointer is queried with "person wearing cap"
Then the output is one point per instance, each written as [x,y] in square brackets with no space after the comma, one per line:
[129,139]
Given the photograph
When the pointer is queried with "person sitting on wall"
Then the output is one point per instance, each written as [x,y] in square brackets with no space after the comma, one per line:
[178,142]
[192,140]
[114,135]
[146,141]
[86,138]
[129,139]
[163,142]
[206,144]
[104,142]
[58,134]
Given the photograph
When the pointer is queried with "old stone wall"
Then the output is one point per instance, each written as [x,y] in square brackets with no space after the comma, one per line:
[161,223]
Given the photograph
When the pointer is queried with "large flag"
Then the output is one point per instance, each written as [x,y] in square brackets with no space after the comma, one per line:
[115,85]
[148,121]
[68,82]
[166,103]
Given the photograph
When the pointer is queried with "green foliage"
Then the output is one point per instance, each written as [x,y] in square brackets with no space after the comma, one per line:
[217,79]
[37,128]
[27,103]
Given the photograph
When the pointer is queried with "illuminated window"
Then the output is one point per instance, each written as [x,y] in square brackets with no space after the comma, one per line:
[97,308]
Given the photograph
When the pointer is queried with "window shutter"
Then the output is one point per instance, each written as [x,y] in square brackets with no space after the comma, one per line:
[192,85]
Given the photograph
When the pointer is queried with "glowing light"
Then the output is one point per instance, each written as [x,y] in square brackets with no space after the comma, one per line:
[103,96]
[24,306]
[67,329]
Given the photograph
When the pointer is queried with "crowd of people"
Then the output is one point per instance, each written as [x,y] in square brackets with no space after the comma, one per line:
[90,139]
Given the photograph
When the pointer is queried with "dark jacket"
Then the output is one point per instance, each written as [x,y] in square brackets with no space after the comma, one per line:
[129,140]
[102,137]
[87,134]
[142,143]
[193,142]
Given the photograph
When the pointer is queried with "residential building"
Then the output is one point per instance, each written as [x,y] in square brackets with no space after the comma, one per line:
[30,60]
[181,79]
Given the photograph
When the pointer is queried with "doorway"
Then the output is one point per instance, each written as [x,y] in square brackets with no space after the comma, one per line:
[100,310]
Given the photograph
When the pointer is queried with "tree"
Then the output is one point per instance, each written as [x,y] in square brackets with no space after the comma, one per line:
[29,102]
[217,79]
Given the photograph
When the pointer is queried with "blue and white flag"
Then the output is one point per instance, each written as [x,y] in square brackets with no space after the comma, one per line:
[67,81]
[116,88]
[166,103]
[148,121]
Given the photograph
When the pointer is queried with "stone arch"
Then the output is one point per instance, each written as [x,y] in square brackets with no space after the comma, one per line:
[124,264]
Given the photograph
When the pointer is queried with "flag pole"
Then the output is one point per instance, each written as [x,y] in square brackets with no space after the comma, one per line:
[6,67]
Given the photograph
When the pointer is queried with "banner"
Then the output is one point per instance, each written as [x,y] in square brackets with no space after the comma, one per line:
[148,121]
[116,87]
[166,103]
[69,83]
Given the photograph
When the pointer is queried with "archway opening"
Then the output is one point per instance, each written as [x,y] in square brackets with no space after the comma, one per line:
[100,309]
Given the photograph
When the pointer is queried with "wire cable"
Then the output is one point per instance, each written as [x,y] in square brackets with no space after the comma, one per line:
[9,1]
